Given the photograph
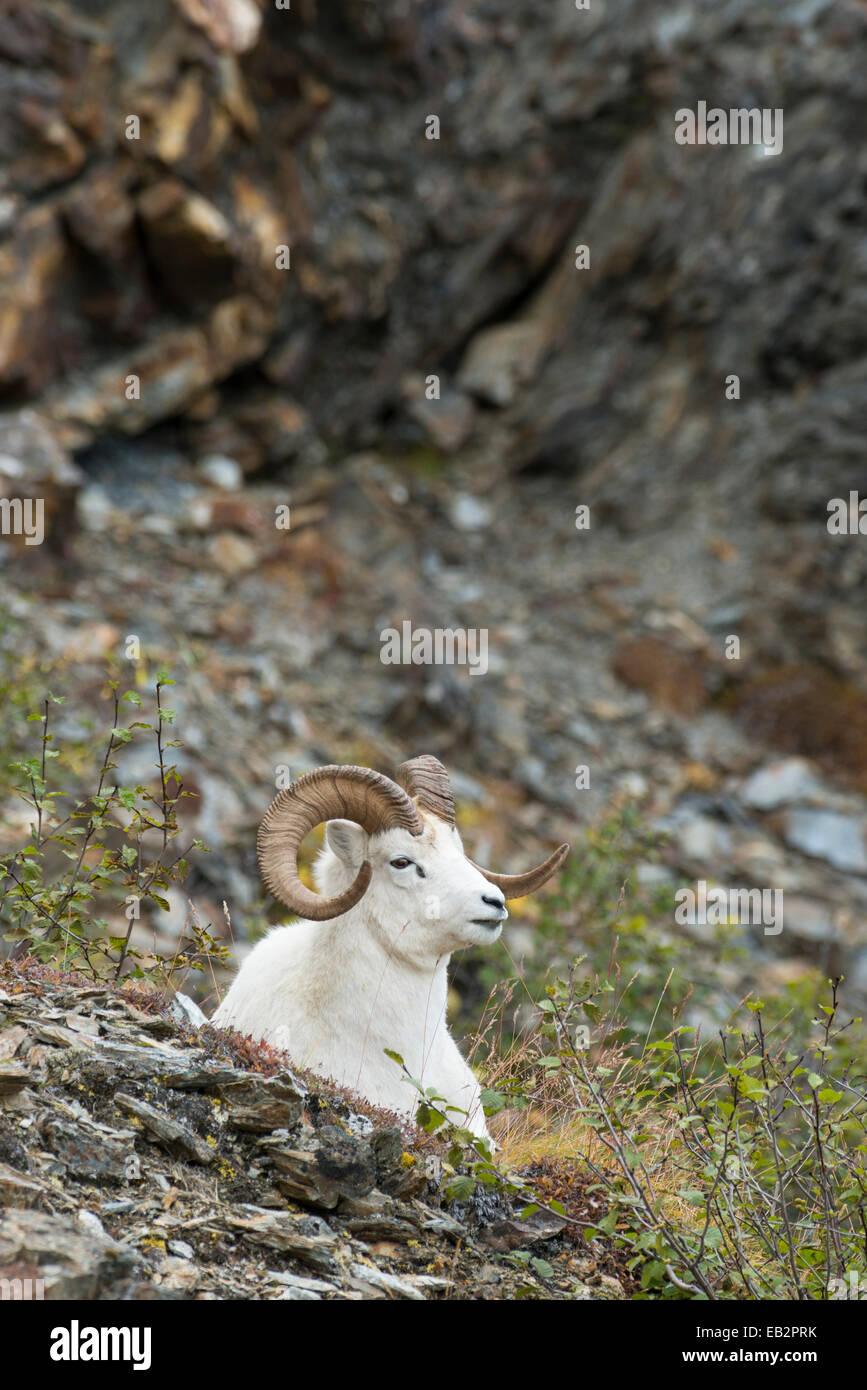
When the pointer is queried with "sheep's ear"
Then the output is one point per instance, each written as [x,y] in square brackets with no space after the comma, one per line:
[347,840]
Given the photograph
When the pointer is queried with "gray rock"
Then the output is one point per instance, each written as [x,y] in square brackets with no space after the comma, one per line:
[84,1153]
[335,1164]
[181,1249]
[838,839]
[389,1283]
[786,783]
[704,840]
[264,1104]
[223,472]
[470,513]
[500,360]
[279,1230]
[448,422]
[166,1130]
[298,1281]
[809,921]
[73,1263]
[187,1010]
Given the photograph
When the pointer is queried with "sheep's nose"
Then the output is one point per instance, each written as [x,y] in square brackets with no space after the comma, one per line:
[499,902]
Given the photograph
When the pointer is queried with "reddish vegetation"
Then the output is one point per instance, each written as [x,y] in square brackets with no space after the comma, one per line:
[27,972]
[563,1181]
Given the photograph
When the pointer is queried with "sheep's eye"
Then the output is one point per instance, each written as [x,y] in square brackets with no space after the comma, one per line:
[400,863]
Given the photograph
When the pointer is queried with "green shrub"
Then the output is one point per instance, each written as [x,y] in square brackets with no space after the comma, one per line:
[114,846]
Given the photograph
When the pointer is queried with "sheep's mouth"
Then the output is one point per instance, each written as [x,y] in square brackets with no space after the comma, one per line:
[487,921]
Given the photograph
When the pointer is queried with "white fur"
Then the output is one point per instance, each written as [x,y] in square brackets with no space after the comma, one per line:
[335,994]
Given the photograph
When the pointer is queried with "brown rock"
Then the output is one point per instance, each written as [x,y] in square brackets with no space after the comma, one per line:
[19,1190]
[189,240]
[91,642]
[233,554]
[10,1041]
[30,266]
[173,368]
[808,711]
[13,1077]
[100,214]
[34,467]
[180,125]
[665,674]
[238,514]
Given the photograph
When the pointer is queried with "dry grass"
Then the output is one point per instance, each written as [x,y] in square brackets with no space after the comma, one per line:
[562,1123]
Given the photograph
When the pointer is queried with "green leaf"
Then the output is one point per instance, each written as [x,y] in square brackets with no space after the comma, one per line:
[429,1120]
[492,1101]
[652,1274]
[461,1188]
[751,1087]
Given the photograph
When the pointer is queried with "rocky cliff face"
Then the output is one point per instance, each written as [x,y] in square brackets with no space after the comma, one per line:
[140,1160]
[155,158]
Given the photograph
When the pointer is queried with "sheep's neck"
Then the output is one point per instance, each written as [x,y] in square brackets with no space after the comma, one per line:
[397,995]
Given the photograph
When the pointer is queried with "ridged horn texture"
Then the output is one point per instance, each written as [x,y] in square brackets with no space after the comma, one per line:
[330,793]
[427,782]
[519,885]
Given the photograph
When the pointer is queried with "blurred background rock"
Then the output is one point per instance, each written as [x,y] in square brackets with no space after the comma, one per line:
[155,257]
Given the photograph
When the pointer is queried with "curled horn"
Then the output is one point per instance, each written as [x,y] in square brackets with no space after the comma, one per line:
[519,885]
[351,793]
[427,782]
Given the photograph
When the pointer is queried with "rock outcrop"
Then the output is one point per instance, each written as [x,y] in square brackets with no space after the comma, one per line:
[140,1159]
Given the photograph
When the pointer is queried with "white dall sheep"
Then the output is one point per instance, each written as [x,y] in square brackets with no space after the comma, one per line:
[366,968]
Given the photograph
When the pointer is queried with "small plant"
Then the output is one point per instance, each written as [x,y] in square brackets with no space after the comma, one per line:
[734,1168]
[118,842]
[469,1163]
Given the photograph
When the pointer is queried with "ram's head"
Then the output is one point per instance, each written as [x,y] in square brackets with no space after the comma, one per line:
[394,845]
